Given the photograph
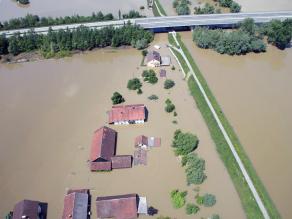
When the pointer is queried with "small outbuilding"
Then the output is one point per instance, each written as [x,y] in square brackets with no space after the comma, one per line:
[118,207]
[30,209]
[145,142]
[76,204]
[140,157]
[162,73]
[143,207]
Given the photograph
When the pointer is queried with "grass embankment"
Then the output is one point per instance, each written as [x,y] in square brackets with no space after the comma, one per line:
[155,9]
[249,204]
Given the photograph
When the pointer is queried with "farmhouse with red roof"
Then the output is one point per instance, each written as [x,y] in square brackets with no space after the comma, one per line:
[103,147]
[29,209]
[76,204]
[127,114]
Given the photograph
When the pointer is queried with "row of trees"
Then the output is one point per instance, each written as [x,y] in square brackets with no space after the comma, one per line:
[247,38]
[35,21]
[81,38]
[181,7]
[207,9]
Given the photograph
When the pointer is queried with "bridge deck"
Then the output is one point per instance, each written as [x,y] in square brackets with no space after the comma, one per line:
[171,21]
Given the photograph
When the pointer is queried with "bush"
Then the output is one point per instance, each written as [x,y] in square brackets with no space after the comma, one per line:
[23,2]
[144,53]
[141,44]
[169,106]
[192,209]
[134,84]
[117,98]
[215,216]
[172,68]
[279,33]
[209,200]
[181,7]
[184,143]
[235,7]
[175,113]
[168,84]
[207,9]
[200,200]
[150,76]
[139,91]
[153,97]
[162,217]
[142,7]
[178,198]
[195,168]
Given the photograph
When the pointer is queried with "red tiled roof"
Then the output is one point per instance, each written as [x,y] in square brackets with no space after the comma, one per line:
[127,113]
[75,206]
[118,207]
[26,208]
[100,165]
[121,161]
[103,144]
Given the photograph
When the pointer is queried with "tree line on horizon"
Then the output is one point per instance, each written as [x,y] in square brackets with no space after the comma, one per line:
[81,39]
[35,21]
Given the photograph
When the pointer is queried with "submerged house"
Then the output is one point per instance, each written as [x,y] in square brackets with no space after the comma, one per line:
[145,142]
[76,204]
[103,147]
[153,59]
[30,209]
[127,114]
[118,207]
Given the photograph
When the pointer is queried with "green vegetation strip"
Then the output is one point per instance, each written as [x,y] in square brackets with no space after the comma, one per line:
[250,206]
[158,7]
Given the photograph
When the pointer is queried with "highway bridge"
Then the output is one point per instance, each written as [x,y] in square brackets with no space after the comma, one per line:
[167,23]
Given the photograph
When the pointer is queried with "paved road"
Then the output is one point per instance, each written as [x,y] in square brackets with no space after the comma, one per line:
[221,127]
[172,21]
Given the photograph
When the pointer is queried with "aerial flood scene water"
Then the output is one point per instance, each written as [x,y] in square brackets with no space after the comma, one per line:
[214,122]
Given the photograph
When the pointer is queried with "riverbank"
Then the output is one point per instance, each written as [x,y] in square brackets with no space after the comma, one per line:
[253,91]
[250,205]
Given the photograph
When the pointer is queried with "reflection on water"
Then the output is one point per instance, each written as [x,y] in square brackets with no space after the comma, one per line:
[255,93]
[49,110]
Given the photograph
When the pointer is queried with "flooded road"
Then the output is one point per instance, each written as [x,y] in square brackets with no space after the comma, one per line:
[54,8]
[49,110]
[255,94]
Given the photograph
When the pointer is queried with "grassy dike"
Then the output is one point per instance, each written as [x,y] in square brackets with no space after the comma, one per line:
[249,204]
[155,10]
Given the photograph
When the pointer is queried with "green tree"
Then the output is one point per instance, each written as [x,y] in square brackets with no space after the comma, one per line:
[235,7]
[141,44]
[23,2]
[248,26]
[195,168]
[117,98]
[150,76]
[215,216]
[153,97]
[191,209]
[207,9]
[178,198]
[3,45]
[168,84]
[134,84]
[209,200]
[184,143]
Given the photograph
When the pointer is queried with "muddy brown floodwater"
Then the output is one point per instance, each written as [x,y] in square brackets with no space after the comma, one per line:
[255,93]
[54,8]
[49,110]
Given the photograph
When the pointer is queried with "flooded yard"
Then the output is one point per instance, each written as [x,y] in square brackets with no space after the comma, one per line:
[255,94]
[49,110]
[54,8]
